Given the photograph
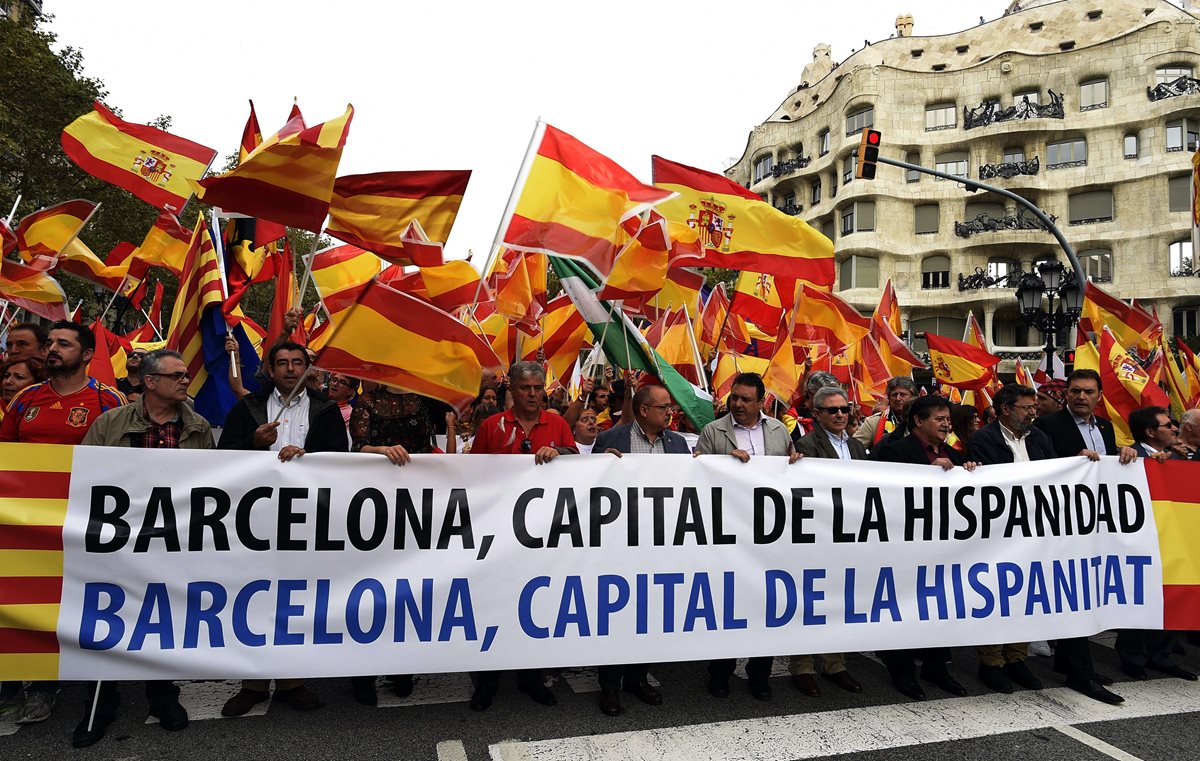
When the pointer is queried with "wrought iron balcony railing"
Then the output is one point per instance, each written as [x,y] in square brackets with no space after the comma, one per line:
[1185,85]
[791,165]
[985,223]
[1010,169]
[991,113]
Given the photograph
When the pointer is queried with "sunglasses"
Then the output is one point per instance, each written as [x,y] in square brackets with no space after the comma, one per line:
[177,377]
[526,446]
[836,410]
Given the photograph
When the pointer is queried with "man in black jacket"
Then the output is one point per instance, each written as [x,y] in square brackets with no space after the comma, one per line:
[267,420]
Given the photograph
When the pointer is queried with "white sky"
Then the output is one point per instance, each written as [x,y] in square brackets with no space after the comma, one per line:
[459,85]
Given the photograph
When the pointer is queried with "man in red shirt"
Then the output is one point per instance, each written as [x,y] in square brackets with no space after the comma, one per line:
[524,429]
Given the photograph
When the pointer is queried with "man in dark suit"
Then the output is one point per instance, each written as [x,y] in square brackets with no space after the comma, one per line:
[1074,432]
[929,426]
[647,434]
[1153,434]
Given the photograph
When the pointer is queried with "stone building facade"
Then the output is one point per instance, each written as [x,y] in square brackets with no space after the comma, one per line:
[1088,108]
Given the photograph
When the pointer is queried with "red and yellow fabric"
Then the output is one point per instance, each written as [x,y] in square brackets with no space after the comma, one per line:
[496,331]
[572,202]
[674,344]
[729,364]
[8,239]
[35,480]
[200,286]
[518,283]
[680,289]
[375,211]
[782,374]
[889,307]
[973,335]
[153,318]
[761,299]
[166,243]
[287,179]
[1127,387]
[453,284]
[154,165]
[561,339]
[741,231]
[640,269]
[1130,325]
[45,235]
[1191,371]
[959,364]
[32,290]
[340,272]
[108,361]
[825,317]
[1177,518]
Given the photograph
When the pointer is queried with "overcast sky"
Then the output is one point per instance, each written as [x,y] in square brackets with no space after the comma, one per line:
[460,85]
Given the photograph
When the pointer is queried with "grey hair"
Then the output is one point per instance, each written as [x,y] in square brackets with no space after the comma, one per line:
[819,380]
[521,370]
[818,399]
[153,361]
[1190,417]
[901,381]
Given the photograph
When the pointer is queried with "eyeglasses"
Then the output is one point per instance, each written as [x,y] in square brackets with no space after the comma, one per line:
[659,406]
[835,410]
[177,377]
[1024,407]
[526,446]
[340,382]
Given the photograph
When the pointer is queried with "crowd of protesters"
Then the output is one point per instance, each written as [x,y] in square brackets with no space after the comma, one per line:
[48,397]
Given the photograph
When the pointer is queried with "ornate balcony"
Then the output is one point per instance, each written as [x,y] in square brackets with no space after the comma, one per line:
[1010,169]
[1183,86]
[789,166]
[980,279]
[791,209]
[988,224]
[991,113]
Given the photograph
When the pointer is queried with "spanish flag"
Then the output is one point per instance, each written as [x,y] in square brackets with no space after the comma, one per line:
[729,365]
[741,231]
[1191,371]
[762,299]
[1131,325]
[340,272]
[287,179]
[32,290]
[680,289]
[8,239]
[1177,518]
[155,166]
[1023,376]
[451,285]
[518,282]
[1126,385]
[783,373]
[200,286]
[959,364]
[562,338]
[572,201]
[640,270]
[47,234]
[166,243]
[393,338]
[826,318]
[673,340]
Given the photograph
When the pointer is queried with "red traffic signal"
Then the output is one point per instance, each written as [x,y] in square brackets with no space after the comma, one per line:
[868,154]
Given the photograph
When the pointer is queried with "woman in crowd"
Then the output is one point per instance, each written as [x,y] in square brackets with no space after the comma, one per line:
[16,375]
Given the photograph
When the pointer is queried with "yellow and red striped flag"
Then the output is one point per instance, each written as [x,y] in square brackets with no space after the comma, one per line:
[518,282]
[47,234]
[1177,517]
[1127,387]
[200,286]
[973,334]
[287,179]
[959,364]
[375,212]
[154,165]
[680,289]
[166,243]
[32,290]
[673,342]
[1191,371]
[562,337]
[340,272]
[1131,325]
[640,270]
[451,285]
[823,317]
[1023,376]
[573,200]
[762,299]
[729,364]
[782,375]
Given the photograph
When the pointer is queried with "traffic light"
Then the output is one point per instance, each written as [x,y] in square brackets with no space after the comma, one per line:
[868,154]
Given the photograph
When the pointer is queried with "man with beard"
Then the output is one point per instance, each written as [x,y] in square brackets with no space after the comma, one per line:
[58,411]
[133,373]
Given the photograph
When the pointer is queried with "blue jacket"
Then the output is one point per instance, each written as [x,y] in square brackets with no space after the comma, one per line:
[618,438]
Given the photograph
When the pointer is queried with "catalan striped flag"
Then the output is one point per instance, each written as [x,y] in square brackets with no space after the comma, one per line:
[340,273]
[1177,517]
[35,481]
[32,290]
[959,364]
[287,179]
[572,202]
[154,165]
[200,287]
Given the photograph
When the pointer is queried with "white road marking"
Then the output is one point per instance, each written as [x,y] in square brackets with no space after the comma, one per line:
[451,750]
[782,738]
[1096,743]
[428,689]
[203,700]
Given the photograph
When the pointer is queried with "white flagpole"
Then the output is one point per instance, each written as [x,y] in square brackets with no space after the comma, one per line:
[13,211]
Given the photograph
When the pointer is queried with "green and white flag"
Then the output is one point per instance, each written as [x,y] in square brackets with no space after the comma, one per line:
[624,345]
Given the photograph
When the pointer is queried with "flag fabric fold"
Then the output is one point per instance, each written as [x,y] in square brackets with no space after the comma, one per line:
[960,364]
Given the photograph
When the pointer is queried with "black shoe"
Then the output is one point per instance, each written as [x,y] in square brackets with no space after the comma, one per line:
[402,685]
[994,678]
[645,692]
[1018,671]
[539,693]
[171,716]
[364,691]
[806,684]
[1173,670]
[909,688]
[82,737]
[1097,692]
[1102,680]
[718,687]
[481,699]
[760,689]
[941,677]
[610,702]
[1134,671]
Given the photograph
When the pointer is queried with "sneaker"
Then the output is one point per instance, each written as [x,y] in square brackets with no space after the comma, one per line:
[1041,648]
[12,706]
[37,708]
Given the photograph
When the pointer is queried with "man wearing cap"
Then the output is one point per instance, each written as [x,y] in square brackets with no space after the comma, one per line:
[1051,397]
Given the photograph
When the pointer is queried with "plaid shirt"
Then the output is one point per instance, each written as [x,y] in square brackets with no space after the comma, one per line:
[159,435]
[639,442]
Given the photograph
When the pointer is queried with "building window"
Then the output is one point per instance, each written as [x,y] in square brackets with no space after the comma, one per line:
[1032,95]
[1091,206]
[1182,264]
[762,168]
[815,197]
[989,209]
[935,272]
[827,230]
[848,169]
[1165,75]
[1179,193]
[860,120]
[858,272]
[823,140]
[1131,146]
[1097,264]
[926,219]
[941,116]
[952,162]
[951,327]
[1181,134]
[912,175]
[1093,94]
[1185,322]
[999,268]
[858,217]
[1067,153]
[1014,155]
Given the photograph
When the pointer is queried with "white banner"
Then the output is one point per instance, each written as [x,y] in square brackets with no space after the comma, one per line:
[203,565]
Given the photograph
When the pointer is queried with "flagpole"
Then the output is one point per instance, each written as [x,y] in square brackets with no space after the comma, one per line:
[695,349]
[312,254]
[153,327]
[13,211]
[218,248]
[116,293]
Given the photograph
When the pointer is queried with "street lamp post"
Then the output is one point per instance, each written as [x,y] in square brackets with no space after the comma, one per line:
[1048,282]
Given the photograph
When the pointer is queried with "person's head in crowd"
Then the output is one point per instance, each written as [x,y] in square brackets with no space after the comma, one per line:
[133,362]
[988,415]
[1189,428]
[616,399]
[815,381]
[1083,393]
[1152,426]
[652,408]
[488,395]
[964,421]
[586,429]
[929,418]
[314,380]
[901,392]
[16,374]
[527,383]
[1016,407]
[165,379]
[599,400]
[1051,397]
[286,362]
[481,413]
[832,409]
[71,348]
[27,339]
[341,388]
[746,397]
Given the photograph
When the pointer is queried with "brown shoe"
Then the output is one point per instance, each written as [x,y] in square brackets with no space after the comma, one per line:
[645,692]
[241,703]
[301,698]
[807,684]
[844,680]
[610,702]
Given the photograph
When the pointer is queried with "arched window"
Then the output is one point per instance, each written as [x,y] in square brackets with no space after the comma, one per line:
[935,271]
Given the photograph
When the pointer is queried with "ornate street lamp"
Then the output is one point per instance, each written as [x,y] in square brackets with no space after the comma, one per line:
[1048,282]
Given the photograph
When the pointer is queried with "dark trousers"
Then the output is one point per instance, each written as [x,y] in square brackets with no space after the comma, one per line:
[902,664]
[1142,647]
[158,692]
[490,680]
[46,688]
[1073,657]
[611,676]
[757,670]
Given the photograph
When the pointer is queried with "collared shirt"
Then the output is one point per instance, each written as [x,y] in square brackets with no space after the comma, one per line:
[502,434]
[750,439]
[1016,444]
[841,444]
[38,414]
[158,435]
[934,451]
[1093,439]
[293,426]
[639,442]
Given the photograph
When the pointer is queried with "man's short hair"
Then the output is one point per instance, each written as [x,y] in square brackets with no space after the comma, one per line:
[1190,416]
[40,333]
[818,399]
[901,381]
[284,346]
[819,380]
[153,361]
[83,334]
[521,370]
[1085,374]
[754,380]
[924,407]
[1009,395]
[1142,419]
[642,395]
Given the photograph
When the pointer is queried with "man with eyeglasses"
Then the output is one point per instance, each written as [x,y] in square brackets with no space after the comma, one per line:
[901,391]
[132,382]
[1154,434]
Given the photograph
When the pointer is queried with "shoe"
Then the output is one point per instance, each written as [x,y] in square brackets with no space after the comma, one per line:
[301,698]
[994,678]
[610,702]
[1097,692]
[909,688]
[1173,670]
[760,689]
[402,686]
[241,703]
[82,737]
[13,705]
[539,693]
[645,692]
[171,716]
[941,677]
[806,684]
[364,692]
[1041,648]
[1018,671]
[481,699]
[38,706]
[1177,647]
[1133,671]
[1102,680]
[844,680]
[718,687]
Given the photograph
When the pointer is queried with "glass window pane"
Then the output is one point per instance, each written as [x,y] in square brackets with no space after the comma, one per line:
[1014,155]
[1131,146]
[912,175]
